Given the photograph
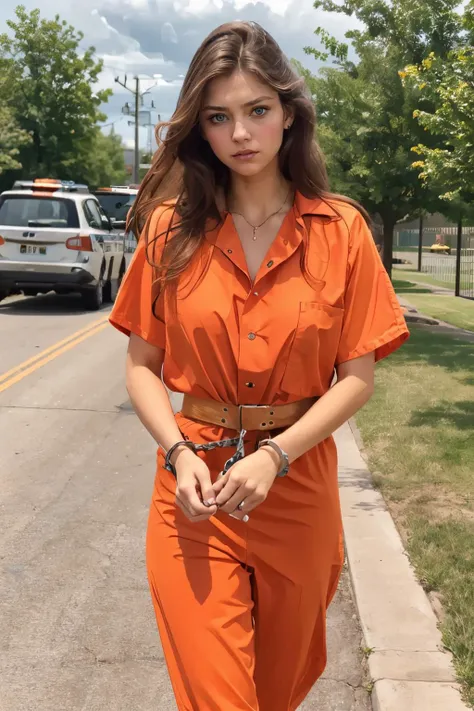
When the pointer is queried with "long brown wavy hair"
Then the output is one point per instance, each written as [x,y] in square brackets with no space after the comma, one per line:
[185,170]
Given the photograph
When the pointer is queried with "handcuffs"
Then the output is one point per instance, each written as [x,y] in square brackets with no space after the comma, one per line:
[239,454]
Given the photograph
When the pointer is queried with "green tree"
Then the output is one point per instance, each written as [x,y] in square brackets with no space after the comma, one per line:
[103,163]
[12,138]
[53,90]
[367,126]
[448,83]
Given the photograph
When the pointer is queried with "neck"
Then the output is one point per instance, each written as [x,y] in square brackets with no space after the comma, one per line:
[258,195]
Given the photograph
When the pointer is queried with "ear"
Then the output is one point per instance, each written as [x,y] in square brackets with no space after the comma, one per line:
[289,118]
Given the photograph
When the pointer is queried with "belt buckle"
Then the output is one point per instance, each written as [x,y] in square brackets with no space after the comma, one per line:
[253,407]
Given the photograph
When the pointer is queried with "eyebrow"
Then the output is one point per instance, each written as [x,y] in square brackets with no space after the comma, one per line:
[249,103]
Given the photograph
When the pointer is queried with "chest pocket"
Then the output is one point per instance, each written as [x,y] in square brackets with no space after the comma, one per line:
[313,350]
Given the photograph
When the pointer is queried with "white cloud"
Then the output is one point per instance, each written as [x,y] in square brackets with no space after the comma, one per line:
[168,33]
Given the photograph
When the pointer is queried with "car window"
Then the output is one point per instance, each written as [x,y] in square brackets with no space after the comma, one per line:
[116,205]
[93,216]
[34,211]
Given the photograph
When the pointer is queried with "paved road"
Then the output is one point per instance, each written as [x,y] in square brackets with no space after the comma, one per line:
[77,631]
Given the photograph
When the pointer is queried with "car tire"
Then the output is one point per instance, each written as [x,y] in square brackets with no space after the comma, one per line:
[107,292]
[3,295]
[93,299]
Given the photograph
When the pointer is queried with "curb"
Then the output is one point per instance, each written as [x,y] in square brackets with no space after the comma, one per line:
[407,663]
[419,318]
[412,315]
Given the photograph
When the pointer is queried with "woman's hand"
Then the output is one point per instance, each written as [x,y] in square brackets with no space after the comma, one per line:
[194,493]
[248,481]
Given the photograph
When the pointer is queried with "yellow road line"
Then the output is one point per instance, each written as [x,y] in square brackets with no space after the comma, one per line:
[50,349]
[47,358]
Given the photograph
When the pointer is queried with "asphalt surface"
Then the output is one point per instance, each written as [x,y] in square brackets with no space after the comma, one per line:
[77,630]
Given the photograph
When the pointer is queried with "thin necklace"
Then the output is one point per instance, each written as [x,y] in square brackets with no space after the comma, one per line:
[257,227]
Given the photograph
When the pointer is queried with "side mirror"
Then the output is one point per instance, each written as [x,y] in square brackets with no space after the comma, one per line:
[106,223]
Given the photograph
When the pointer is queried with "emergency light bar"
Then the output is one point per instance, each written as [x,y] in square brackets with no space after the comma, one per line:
[50,185]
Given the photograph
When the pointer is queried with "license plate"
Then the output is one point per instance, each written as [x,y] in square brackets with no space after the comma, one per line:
[32,249]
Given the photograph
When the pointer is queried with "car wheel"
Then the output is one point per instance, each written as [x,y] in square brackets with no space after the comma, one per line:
[107,292]
[3,295]
[94,298]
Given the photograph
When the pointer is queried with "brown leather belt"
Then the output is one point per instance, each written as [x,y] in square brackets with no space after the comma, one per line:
[245,417]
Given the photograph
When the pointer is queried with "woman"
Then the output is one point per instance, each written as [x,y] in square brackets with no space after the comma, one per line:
[251,285]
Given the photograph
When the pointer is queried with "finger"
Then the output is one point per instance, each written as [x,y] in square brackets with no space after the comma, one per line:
[241,517]
[190,498]
[219,484]
[207,492]
[228,490]
[239,495]
[251,503]
[195,519]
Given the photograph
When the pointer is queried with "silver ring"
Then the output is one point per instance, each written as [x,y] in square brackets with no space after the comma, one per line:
[241,506]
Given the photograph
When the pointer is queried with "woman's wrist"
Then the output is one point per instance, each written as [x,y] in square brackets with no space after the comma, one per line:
[273,456]
[182,451]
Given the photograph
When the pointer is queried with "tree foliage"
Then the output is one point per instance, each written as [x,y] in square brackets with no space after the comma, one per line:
[447,82]
[48,85]
[367,125]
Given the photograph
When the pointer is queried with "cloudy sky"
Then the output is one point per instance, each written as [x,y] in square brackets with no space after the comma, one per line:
[159,37]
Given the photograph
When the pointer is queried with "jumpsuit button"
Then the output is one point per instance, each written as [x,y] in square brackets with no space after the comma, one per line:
[255,293]
[229,251]
[270,263]
[250,385]
[252,336]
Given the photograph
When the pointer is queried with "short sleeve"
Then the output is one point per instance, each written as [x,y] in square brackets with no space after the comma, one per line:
[133,308]
[373,319]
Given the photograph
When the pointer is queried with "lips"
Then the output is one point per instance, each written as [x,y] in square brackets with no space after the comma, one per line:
[244,154]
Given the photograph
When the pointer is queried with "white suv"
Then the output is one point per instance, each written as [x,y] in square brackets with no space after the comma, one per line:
[54,235]
[116,202]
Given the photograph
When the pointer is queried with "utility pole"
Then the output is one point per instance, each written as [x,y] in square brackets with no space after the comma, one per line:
[138,101]
[136,162]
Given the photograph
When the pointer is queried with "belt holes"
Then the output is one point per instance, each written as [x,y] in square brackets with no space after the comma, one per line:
[225,409]
[271,412]
[223,421]
[263,424]
[270,422]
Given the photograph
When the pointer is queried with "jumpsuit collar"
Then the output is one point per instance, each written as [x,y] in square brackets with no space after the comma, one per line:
[224,236]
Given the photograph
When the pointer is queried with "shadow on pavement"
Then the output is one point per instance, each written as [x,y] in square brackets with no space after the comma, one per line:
[46,305]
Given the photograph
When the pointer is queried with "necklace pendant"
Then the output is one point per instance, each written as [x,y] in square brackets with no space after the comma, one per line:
[254,235]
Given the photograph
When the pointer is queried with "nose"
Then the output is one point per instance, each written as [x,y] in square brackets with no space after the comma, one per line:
[240,132]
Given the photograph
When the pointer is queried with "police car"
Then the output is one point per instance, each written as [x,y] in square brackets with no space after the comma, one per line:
[54,235]
[117,200]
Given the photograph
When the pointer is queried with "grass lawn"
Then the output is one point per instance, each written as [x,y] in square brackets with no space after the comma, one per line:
[452,309]
[408,274]
[418,434]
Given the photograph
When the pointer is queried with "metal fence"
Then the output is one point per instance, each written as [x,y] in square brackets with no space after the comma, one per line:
[466,267]
[440,267]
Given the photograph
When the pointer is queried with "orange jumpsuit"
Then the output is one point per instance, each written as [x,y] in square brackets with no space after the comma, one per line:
[241,607]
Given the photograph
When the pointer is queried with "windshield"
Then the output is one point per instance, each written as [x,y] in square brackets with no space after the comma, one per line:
[31,211]
[116,205]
